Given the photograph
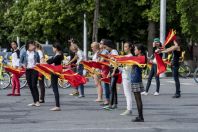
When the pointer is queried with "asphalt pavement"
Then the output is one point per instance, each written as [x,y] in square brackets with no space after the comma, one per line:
[161,113]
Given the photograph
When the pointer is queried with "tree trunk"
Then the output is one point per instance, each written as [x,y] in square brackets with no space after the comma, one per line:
[95,22]
[151,35]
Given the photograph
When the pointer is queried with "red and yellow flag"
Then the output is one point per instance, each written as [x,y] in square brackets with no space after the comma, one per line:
[73,78]
[51,68]
[132,60]
[171,36]
[161,66]
[17,71]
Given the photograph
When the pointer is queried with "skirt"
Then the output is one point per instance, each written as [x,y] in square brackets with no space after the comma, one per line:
[137,87]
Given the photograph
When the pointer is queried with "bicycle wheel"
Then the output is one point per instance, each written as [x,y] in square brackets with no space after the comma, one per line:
[196,75]
[184,70]
[5,80]
[63,83]
[47,83]
[23,81]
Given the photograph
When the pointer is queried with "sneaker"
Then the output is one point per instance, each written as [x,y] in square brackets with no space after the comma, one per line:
[32,104]
[74,93]
[108,108]
[176,96]
[144,93]
[114,106]
[41,101]
[10,94]
[126,112]
[156,94]
[37,104]
[138,119]
[81,96]
[56,109]
[17,94]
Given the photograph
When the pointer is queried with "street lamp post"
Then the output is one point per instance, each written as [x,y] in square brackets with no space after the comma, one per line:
[85,36]
[162,25]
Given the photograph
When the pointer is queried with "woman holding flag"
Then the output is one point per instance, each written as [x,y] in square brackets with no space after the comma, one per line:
[39,49]
[95,49]
[56,61]
[28,60]
[136,83]
[113,74]
[126,79]
[156,45]
[15,64]
[176,52]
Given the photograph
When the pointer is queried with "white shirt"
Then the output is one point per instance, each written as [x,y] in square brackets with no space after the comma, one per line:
[113,52]
[95,57]
[15,60]
[30,60]
[126,70]
[41,55]
[80,56]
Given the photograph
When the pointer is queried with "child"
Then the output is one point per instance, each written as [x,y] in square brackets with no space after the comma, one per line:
[136,83]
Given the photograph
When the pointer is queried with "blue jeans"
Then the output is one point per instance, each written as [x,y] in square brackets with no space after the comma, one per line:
[107,91]
[152,73]
[81,87]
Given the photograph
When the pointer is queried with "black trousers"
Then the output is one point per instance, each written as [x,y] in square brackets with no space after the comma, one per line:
[113,88]
[32,79]
[54,82]
[42,88]
[152,73]
[175,70]
[113,95]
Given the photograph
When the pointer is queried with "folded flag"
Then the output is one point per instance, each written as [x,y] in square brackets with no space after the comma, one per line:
[161,66]
[17,71]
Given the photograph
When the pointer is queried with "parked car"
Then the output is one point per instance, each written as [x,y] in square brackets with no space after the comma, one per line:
[47,49]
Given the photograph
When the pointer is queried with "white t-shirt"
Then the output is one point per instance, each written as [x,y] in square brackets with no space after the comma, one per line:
[80,56]
[41,55]
[15,60]
[113,52]
[126,70]
[30,60]
[95,57]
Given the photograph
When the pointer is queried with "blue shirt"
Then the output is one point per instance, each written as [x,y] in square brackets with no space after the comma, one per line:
[136,74]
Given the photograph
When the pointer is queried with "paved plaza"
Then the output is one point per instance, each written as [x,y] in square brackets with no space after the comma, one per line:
[161,113]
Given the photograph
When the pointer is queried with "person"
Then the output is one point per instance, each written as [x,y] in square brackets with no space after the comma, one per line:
[113,74]
[126,79]
[73,63]
[28,60]
[95,49]
[15,64]
[56,60]
[104,72]
[156,45]
[39,49]
[136,83]
[176,53]
[79,57]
